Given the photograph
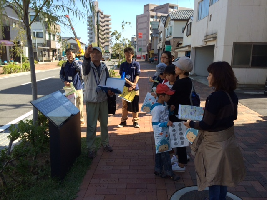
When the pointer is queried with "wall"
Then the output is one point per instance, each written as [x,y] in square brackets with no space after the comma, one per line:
[246,22]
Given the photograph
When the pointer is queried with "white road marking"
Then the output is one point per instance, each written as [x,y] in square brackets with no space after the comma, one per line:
[38,80]
[15,121]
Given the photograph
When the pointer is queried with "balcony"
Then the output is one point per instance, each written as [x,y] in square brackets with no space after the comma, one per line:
[51,44]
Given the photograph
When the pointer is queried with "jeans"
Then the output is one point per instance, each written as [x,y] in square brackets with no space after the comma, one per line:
[163,163]
[217,192]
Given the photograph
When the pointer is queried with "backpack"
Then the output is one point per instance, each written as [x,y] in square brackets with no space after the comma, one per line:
[194,97]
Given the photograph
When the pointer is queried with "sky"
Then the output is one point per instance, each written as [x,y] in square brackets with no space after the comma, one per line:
[120,10]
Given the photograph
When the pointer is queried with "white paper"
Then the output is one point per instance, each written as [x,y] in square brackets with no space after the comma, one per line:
[177,135]
[187,112]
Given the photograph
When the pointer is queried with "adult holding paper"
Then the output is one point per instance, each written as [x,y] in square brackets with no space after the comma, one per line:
[131,70]
[219,163]
[95,73]
[182,88]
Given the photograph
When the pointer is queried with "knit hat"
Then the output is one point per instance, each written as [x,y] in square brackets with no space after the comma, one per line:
[160,68]
[184,64]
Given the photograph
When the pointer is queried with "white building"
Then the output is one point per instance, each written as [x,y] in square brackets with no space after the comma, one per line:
[234,31]
[184,47]
[174,28]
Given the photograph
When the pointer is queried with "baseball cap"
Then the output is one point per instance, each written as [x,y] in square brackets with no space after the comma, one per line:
[98,49]
[184,64]
[160,68]
[164,89]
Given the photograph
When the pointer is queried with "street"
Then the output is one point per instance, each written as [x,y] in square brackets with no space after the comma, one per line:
[16,93]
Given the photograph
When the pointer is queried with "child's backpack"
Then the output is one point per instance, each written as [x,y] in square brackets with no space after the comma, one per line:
[194,97]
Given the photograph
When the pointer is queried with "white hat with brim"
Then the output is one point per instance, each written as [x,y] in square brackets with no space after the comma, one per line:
[184,64]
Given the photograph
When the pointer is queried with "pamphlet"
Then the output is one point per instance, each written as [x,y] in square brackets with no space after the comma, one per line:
[187,112]
[114,85]
[127,95]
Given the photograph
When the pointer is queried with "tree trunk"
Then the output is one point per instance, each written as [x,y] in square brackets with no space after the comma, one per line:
[31,59]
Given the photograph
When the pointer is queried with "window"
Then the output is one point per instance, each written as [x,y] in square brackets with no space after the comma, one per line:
[54,37]
[37,19]
[250,55]
[203,9]
[38,34]
[188,29]
[213,2]
[49,36]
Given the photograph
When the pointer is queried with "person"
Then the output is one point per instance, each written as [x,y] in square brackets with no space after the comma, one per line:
[166,57]
[95,73]
[171,76]
[182,87]
[71,71]
[160,116]
[159,76]
[131,70]
[224,164]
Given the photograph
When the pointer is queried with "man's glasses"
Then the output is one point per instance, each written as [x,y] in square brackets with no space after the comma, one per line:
[165,57]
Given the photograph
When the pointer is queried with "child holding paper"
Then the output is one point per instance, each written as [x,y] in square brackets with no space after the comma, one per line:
[182,88]
[160,122]
[131,70]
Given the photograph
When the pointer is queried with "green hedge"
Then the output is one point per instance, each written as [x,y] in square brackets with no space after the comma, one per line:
[12,68]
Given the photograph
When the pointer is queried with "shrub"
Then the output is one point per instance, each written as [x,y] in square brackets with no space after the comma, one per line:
[13,68]
[60,63]
[35,62]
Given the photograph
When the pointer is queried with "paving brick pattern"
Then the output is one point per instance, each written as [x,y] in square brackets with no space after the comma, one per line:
[127,172]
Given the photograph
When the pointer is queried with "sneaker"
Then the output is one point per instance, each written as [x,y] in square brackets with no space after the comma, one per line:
[92,154]
[122,124]
[136,125]
[174,159]
[107,148]
[177,168]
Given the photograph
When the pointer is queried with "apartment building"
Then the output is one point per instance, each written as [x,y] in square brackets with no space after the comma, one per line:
[232,31]
[46,41]
[152,13]
[102,33]
[11,25]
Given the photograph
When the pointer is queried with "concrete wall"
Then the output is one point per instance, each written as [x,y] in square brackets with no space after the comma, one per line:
[246,22]
[233,21]
[177,28]
[203,58]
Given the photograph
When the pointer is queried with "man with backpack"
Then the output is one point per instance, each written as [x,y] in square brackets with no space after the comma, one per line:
[71,71]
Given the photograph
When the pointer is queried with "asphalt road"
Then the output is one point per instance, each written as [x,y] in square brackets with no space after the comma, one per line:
[16,93]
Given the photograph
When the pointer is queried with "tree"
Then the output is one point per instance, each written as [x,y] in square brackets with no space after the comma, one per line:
[51,12]
[120,43]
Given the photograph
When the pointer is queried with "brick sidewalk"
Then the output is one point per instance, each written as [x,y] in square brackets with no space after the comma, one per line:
[127,172]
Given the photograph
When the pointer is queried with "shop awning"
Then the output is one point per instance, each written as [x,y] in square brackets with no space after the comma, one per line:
[6,43]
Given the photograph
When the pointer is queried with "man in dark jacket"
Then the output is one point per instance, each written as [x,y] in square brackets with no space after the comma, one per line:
[71,71]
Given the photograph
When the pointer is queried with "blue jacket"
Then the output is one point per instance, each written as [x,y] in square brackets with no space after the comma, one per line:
[71,72]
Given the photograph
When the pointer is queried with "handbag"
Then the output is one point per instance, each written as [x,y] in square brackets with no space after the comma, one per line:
[112,104]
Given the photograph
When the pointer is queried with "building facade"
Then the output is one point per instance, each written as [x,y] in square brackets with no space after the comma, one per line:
[46,41]
[99,34]
[9,33]
[232,31]
[152,12]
